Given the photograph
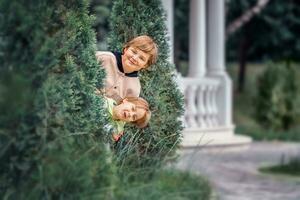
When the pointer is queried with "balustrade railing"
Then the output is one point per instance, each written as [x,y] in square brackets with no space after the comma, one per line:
[201,109]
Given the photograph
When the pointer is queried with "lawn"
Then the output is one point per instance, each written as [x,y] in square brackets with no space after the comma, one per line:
[292,168]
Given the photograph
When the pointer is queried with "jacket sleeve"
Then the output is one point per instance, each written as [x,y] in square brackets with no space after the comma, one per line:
[98,56]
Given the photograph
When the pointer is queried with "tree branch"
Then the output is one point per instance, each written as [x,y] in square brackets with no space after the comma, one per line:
[246,17]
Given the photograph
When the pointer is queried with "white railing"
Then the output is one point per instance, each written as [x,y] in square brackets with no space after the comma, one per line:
[201,109]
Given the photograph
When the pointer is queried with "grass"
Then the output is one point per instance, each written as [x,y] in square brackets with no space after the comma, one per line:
[168,184]
[260,134]
[291,168]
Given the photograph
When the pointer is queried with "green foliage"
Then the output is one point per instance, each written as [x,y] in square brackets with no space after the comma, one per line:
[277,102]
[292,167]
[101,10]
[261,134]
[51,123]
[52,137]
[151,147]
[276,27]
[244,114]
[167,184]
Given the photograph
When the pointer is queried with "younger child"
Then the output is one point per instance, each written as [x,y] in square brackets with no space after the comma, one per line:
[133,110]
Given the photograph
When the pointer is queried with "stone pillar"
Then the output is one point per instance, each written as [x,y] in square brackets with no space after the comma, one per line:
[216,58]
[197,38]
[169,8]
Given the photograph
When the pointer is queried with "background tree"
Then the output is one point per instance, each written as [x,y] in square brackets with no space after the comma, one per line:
[51,121]
[151,147]
[276,27]
[246,16]
[277,101]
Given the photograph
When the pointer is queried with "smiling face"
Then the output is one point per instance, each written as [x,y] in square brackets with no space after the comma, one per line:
[134,59]
[128,112]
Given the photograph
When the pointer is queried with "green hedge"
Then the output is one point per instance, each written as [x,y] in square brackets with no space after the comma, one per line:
[277,100]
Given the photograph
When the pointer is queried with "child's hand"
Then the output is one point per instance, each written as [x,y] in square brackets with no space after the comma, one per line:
[98,92]
[117,137]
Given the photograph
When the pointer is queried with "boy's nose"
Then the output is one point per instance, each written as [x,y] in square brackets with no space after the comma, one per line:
[135,57]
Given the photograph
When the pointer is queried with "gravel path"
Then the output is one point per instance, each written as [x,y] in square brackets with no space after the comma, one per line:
[233,171]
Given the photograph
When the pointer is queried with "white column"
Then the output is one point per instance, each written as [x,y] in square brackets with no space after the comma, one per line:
[197,41]
[216,33]
[169,8]
[216,58]
[209,116]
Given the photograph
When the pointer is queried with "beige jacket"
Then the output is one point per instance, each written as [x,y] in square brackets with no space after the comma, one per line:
[117,84]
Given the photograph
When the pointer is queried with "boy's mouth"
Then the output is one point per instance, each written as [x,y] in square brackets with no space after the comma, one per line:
[130,62]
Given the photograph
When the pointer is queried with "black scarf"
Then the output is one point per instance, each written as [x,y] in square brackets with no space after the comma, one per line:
[118,56]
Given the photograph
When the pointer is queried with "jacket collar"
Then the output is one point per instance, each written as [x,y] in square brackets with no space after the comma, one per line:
[118,56]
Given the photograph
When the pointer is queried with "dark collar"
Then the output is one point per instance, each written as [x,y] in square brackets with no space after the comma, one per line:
[118,56]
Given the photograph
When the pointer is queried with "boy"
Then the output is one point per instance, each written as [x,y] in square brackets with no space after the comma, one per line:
[122,68]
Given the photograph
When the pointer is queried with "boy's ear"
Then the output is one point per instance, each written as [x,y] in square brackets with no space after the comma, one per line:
[124,50]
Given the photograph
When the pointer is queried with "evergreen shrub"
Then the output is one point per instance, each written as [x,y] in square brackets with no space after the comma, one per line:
[150,148]
[51,122]
[277,100]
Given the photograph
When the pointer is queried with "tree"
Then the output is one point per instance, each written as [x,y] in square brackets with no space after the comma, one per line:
[51,123]
[151,147]
[276,27]
[246,16]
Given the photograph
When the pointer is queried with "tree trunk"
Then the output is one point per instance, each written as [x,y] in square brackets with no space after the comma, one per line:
[243,50]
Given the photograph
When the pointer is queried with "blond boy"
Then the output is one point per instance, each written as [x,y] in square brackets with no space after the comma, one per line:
[122,67]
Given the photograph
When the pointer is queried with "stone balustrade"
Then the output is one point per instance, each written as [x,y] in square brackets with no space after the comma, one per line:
[201,110]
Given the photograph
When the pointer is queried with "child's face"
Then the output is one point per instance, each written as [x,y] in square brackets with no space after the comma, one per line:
[128,112]
[134,59]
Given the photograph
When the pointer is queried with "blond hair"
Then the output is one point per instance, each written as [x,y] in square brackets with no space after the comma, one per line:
[145,44]
[143,104]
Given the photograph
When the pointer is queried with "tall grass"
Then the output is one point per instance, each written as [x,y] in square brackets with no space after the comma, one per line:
[167,184]
[154,181]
